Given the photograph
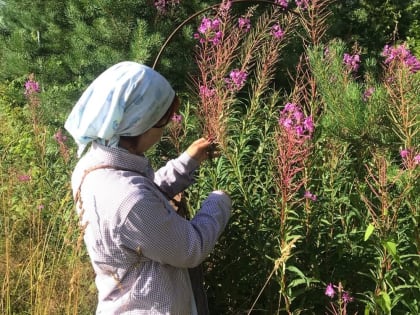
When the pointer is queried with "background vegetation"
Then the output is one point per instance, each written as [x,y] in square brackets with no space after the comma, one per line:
[318,126]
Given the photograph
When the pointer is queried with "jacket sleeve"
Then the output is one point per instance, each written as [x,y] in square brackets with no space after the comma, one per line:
[160,234]
[176,175]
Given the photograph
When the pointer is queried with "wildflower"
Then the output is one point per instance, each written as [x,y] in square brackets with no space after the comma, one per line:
[352,62]
[346,297]
[236,79]
[24,178]
[402,54]
[368,93]
[176,118]
[210,30]
[161,5]
[40,207]
[417,159]
[31,87]
[329,291]
[404,153]
[277,31]
[282,3]
[59,137]
[206,92]
[303,4]
[226,5]
[287,123]
[309,195]
[292,119]
[309,124]
[290,107]
[244,24]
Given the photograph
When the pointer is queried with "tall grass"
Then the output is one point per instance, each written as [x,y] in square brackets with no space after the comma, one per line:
[43,265]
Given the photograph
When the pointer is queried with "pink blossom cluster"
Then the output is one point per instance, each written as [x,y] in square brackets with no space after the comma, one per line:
[24,178]
[401,54]
[207,92]
[277,31]
[294,121]
[409,157]
[60,137]
[162,5]
[236,80]
[31,87]
[177,118]
[352,62]
[209,30]
[244,23]
[303,4]
[225,6]
[282,3]
[368,93]
[310,196]
[330,292]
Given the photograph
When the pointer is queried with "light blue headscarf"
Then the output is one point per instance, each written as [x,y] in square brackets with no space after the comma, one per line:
[125,100]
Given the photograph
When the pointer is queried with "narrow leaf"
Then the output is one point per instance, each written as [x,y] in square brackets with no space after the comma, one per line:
[369,231]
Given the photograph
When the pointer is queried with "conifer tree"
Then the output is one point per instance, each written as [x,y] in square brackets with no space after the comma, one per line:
[63,41]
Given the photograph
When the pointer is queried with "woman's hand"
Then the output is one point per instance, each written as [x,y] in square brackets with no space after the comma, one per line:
[203,149]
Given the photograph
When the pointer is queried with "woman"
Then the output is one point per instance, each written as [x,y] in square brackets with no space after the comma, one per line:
[139,247]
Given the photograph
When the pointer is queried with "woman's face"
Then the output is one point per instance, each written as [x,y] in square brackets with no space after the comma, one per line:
[140,144]
[146,141]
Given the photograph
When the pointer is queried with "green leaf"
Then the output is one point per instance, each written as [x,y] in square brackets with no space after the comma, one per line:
[391,247]
[384,302]
[369,231]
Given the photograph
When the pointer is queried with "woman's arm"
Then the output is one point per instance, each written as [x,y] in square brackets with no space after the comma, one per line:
[178,174]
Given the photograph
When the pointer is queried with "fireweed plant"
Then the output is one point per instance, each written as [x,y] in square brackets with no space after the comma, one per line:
[384,194]
[323,177]
[42,266]
[227,51]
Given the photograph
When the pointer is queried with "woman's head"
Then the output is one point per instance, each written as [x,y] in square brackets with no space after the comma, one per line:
[127,99]
[141,143]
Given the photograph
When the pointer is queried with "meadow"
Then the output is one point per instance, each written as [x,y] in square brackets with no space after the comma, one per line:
[324,176]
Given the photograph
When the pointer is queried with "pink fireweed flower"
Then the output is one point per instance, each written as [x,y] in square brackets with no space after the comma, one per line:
[347,298]
[31,87]
[226,5]
[209,30]
[309,195]
[368,93]
[290,107]
[277,31]
[282,3]
[24,178]
[287,123]
[59,137]
[293,120]
[417,159]
[303,4]
[206,91]
[402,54]
[244,24]
[162,5]
[329,291]
[405,153]
[236,79]
[308,124]
[177,118]
[352,62]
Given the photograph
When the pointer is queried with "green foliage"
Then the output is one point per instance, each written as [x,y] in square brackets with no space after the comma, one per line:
[43,263]
[362,230]
[371,24]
